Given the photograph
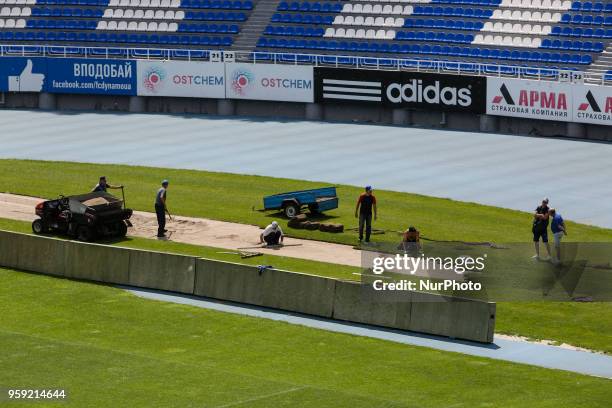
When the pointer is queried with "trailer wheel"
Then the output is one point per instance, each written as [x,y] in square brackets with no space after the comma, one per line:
[85,234]
[291,210]
[39,227]
[121,229]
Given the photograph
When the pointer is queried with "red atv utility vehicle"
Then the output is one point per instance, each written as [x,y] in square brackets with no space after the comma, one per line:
[86,217]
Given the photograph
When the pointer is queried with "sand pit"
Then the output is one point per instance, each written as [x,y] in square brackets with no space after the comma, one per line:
[205,232]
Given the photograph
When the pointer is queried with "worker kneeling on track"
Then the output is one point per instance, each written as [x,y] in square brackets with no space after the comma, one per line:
[411,242]
[272,235]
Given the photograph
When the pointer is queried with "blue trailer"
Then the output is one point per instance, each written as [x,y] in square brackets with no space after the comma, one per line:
[317,200]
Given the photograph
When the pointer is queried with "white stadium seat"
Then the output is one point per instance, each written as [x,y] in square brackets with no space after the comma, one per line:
[360,33]
[139,14]
[102,24]
[169,15]
[172,27]
[163,26]
[129,13]
[118,13]
[112,25]
[152,26]
[179,15]
[159,14]
[149,15]
[122,26]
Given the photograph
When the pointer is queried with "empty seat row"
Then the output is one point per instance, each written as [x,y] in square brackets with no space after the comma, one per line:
[219,16]
[15,11]
[208,28]
[18,2]
[145,14]
[573,45]
[217,4]
[294,31]
[587,20]
[590,6]
[452,12]
[508,40]
[493,3]
[62,24]
[517,28]
[518,15]
[369,21]
[538,4]
[205,4]
[12,23]
[396,48]
[449,24]
[302,19]
[116,38]
[145,3]
[92,3]
[580,32]
[359,8]
[435,36]
[314,7]
[136,26]
[67,12]
[352,33]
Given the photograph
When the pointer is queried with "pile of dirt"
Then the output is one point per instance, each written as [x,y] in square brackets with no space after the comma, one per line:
[301,222]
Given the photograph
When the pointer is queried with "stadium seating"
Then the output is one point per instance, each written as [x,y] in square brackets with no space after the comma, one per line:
[531,33]
[516,32]
[130,23]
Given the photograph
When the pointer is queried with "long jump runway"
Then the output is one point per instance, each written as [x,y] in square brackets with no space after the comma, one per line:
[501,170]
[542,355]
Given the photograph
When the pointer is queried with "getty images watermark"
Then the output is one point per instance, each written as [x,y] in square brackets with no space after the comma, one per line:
[435,273]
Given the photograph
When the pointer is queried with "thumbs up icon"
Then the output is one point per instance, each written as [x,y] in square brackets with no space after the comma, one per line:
[26,81]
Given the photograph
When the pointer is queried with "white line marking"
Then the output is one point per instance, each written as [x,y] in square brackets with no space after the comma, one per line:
[352,97]
[356,83]
[355,90]
[233,404]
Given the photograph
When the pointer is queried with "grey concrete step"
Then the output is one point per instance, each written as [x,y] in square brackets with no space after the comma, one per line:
[258,20]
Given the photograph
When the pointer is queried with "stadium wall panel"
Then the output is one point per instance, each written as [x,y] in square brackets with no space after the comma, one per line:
[295,292]
[100,263]
[156,270]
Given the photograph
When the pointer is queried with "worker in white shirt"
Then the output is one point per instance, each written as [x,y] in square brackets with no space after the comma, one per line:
[272,235]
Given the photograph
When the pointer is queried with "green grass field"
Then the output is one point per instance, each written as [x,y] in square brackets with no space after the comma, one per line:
[231,197]
[586,325]
[108,348]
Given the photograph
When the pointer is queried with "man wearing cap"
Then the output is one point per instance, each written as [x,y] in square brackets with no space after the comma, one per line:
[272,235]
[540,228]
[160,209]
[103,185]
[365,204]
[557,226]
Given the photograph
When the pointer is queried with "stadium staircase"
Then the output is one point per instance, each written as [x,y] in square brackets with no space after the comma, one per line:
[602,65]
[258,20]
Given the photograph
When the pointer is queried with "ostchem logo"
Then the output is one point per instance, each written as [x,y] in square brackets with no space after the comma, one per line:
[153,78]
[242,80]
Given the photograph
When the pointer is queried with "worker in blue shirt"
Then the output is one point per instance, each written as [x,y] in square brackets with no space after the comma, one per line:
[103,185]
[557,226]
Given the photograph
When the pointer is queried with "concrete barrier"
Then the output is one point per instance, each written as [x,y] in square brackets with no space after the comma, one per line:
[9,249]
[155,270]
[99,263]
[452,317]
[290,291]
[299,292]
[33,253]
[359,303]
[229,281]
[296,292]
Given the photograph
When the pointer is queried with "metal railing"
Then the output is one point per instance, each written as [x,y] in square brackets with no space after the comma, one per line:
[323,60]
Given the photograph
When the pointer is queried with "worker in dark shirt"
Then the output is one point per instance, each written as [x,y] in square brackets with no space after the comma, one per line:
[365,205]
[540,228]
[103,185]
[160,209]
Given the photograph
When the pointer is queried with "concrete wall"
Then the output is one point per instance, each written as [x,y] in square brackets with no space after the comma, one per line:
[329,112]
[294,292]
